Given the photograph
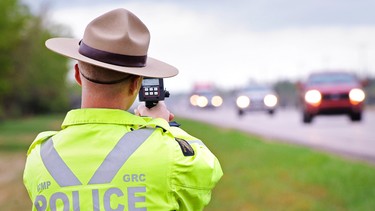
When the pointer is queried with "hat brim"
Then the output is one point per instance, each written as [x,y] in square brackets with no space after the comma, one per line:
[69,47]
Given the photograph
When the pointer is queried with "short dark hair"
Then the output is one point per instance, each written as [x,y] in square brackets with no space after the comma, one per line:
[102,75]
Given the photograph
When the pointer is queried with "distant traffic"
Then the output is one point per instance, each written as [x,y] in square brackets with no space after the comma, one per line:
[256,97]
[322,93]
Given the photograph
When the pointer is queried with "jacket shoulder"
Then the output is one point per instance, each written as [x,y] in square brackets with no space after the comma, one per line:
[41,137]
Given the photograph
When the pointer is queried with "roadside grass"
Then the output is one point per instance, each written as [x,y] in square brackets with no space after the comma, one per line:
[268,175]
[18,134]
[258,174]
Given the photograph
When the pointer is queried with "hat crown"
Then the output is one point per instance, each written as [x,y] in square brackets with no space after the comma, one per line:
[118,41]
[118,31]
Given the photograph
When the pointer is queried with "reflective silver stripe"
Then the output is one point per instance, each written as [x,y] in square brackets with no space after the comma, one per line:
[127,145]
[55,165]
[196,142]
[62,174]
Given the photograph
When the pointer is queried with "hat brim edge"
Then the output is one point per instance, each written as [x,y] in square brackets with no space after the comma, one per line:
[68,47]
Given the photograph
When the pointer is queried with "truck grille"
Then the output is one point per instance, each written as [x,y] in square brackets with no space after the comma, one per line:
[336,96]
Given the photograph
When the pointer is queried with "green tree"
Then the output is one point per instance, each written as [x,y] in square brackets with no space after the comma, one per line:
[12,20]
[33,79]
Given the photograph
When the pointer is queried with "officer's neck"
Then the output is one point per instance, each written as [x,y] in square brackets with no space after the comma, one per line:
[95,101]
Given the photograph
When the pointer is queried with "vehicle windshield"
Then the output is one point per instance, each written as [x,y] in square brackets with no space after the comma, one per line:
[331,79]
[204,92]
[257,89]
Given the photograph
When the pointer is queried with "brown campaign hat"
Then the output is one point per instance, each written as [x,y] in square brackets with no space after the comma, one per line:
[117,40]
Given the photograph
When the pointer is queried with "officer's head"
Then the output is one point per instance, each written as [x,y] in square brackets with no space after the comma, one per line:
[114,47]
[101,84]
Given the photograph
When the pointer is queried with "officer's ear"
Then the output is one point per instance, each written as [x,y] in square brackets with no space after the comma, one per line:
[135,85]
[77,74]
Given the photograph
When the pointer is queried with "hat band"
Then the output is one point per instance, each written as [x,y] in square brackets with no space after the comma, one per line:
[112,58]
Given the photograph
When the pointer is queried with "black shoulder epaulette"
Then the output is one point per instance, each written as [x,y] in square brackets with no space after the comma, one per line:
[186,149]
[174,124]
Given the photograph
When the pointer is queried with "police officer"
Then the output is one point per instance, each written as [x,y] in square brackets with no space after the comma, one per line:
[106,158]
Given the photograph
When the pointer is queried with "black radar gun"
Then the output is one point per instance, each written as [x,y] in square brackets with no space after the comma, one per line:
[152,91]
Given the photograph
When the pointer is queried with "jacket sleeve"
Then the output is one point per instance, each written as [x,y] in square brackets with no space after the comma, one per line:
[194,176]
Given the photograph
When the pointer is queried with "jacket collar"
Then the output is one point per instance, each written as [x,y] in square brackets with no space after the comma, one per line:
[102,116]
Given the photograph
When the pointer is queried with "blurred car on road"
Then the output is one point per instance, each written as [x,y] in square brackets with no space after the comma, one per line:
[256,97]
[205,96]
[331,93]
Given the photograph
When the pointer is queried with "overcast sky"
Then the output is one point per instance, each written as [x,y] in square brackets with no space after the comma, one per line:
[232,42]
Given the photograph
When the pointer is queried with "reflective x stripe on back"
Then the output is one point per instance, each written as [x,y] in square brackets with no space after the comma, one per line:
[62,174]
[127,145]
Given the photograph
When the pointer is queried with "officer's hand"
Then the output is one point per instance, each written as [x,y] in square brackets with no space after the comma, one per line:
[158,111]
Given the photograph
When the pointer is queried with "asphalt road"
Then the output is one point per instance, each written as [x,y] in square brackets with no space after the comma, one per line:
[335,134]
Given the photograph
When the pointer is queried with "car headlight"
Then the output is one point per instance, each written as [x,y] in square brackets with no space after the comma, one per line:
[243,101]
[356,96]
[216,101]
[270,100]
[202,101]
[313,97]
[194,99]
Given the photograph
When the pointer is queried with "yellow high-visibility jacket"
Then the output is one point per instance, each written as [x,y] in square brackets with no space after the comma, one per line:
[107,159]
